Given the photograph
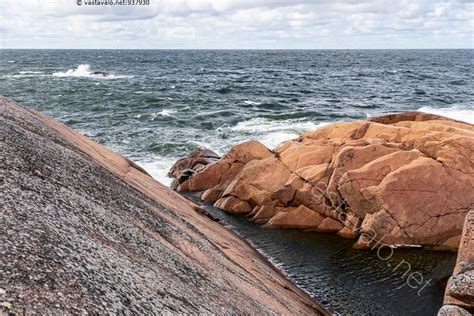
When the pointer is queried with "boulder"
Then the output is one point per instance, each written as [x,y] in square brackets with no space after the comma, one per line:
[295,217]
[453,310]
[400,179]
[329,225]
[258,180]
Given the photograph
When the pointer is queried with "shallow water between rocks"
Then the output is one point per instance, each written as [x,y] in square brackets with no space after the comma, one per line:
[350,281]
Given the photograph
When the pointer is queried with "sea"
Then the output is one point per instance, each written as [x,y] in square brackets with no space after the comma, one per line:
[155,106]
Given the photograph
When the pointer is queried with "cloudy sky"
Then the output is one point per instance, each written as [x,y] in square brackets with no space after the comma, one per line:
[239,24]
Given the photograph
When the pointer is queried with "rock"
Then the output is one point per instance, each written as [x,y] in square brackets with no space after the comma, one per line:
[460,287]
[233,205]
[184,168]
[284,195]
[248,151]
[295,217]
[329,225]
[401,179]
[197,157]
[452,310]
[264,213]
[100,73]
[405,116]
[81,219]
[353,184]
[347,233]
[257,181]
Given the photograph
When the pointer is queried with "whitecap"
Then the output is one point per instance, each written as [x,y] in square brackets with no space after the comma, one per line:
[465,114]
[167,112]
[272,140]
[27,72]
[164,112]
[260,124]
[272,133]
[25,75]
[143,92]
[84,71]
[249,102]
[11,61]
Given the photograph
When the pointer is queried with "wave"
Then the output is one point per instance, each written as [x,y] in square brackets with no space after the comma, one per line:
[465,114]
[153,116]
[27,72]
[167,112]
[249,102]
[272,133]
[84,71]
[260,124]
[159,168]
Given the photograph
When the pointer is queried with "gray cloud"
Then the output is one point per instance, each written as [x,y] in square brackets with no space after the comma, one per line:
[239,24]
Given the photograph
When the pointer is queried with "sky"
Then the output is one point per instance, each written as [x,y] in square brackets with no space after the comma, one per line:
[238,24]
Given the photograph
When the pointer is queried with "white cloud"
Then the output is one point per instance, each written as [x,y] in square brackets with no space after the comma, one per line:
[238,24]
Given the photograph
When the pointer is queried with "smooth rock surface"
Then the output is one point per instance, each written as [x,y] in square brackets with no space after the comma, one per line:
[403,179]
[85,230]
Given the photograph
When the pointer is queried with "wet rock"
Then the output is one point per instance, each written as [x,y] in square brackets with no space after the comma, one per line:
[100,73]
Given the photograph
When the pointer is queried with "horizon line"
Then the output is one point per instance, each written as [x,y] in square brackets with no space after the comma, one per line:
[62,48]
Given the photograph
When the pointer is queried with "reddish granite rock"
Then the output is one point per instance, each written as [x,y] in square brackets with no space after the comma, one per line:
[295,217]
[402,179]
[329,225]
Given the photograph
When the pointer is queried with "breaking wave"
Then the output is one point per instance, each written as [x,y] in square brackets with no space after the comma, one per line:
[84,71]
[456,112]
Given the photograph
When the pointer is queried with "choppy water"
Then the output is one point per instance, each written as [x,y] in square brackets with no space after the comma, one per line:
[157,105]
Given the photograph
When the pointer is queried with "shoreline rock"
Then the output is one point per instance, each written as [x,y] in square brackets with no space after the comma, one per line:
[398,179]
[85,230]
[459,296]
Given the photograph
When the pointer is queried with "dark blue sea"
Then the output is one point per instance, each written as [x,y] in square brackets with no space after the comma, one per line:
[155,106]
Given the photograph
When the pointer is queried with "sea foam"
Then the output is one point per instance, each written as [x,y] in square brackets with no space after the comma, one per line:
[465,114]
[159,168]
[270,132]
[167,112]
[84,71]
